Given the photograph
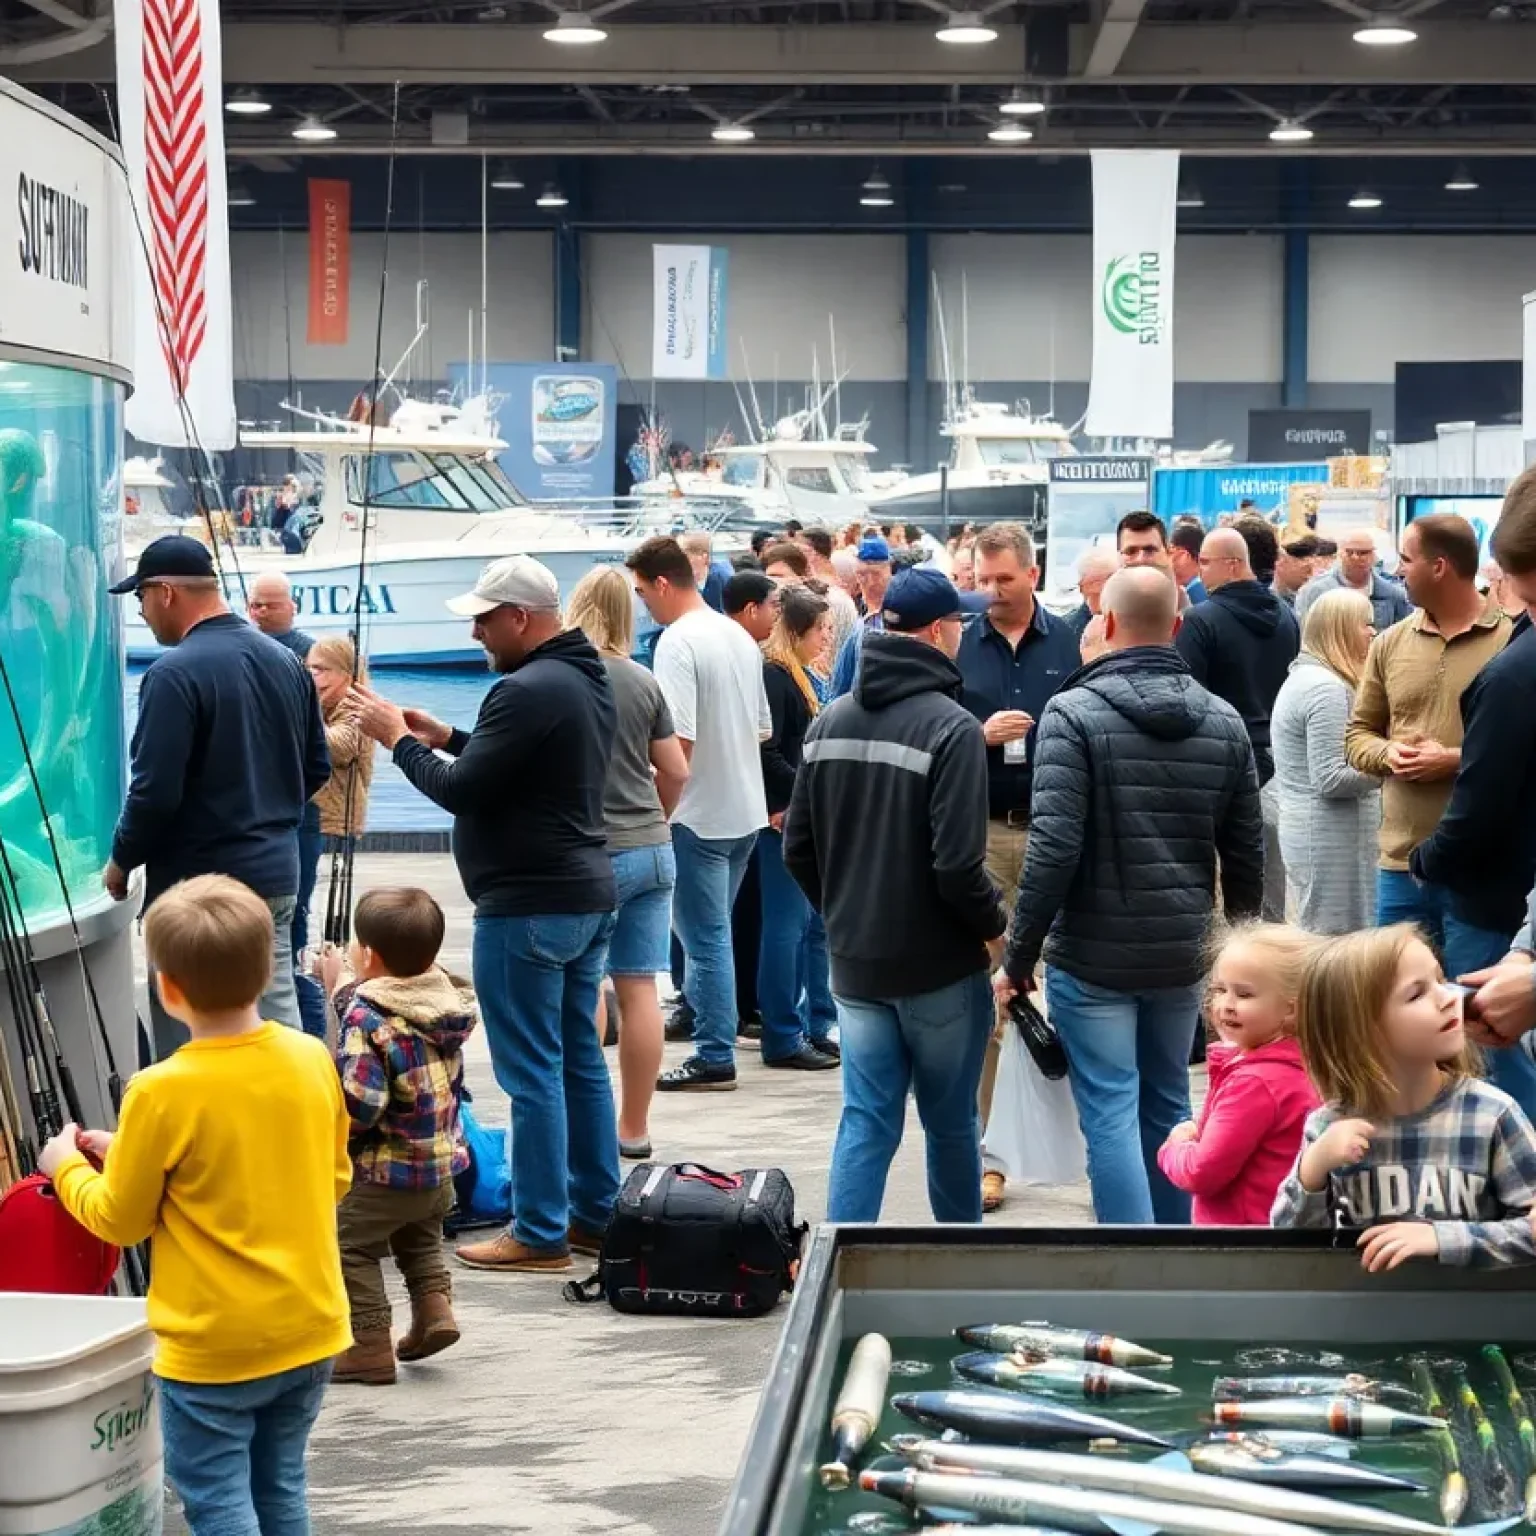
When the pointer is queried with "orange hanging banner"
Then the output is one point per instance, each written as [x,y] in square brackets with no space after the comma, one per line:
[330,262]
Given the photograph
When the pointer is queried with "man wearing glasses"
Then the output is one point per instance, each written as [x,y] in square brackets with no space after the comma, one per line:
[228,749]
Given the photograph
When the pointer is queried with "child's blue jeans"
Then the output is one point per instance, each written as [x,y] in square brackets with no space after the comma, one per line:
[235,1452]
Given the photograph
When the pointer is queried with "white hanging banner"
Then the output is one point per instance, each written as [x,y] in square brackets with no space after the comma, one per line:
[1528,376]
[1135,197]
[688,310]
[170,93]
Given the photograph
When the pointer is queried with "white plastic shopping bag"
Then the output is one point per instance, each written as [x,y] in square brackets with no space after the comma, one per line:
[1032,1130]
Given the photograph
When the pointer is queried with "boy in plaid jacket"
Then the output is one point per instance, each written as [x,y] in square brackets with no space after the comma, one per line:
[403,1023]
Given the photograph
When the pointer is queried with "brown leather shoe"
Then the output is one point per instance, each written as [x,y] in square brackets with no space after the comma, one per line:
[370,1361]
[994,1189]
[504,1252]
[584,1240]
[432,1329]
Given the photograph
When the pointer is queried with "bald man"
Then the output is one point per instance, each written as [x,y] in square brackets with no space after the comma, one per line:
[270,606]
[1143,781]
[1356,569]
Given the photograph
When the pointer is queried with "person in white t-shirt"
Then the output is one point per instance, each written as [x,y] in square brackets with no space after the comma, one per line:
[712,676]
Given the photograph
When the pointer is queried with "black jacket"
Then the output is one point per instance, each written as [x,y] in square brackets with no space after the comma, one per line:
[887,829]
[1484,850]
[526,789]
[1142,778]
[791,720]
[228,749]
[1240,643]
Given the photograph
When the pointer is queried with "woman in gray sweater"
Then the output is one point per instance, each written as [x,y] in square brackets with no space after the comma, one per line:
[1329,813]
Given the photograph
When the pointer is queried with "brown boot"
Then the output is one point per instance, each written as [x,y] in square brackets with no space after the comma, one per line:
[371,1360]
[505,1253]
[432,1328]
[584,1240]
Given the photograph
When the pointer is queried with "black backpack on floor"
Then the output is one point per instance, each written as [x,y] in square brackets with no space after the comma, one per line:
[686,1241]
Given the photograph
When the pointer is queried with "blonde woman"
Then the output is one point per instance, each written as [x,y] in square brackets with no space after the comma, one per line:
[1329,813]
[646,774]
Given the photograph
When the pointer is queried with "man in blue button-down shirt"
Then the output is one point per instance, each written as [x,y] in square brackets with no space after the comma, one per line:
[1013,658]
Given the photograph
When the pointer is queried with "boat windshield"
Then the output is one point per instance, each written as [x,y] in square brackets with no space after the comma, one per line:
[854,471]
[435,482]
[743,470]
[1017,450]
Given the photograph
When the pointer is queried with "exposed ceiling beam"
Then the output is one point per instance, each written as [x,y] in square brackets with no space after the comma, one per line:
[1116,26]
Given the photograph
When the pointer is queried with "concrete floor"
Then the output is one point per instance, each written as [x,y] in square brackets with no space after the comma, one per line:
[560,1419]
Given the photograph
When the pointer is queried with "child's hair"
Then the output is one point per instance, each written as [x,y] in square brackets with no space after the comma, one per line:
[1287,950]
[403,926]
[213,937]
[338,651]
[1344,994]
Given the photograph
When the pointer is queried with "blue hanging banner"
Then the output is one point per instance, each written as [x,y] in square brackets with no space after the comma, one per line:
[1208,491]
[560,424]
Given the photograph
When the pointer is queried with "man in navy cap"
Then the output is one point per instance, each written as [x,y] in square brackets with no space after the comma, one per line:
[910,912]
[228,750]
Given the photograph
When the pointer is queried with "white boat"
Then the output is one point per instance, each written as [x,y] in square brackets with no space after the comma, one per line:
[998,471]
[438,509]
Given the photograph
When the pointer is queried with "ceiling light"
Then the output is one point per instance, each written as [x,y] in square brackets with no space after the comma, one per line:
[1022,104]
[505,179]
[1287,131]
[1382,33]
[238,194]
[313,131]
[1190,196]
[966,27]
[876,192]
[551,197]
[574,28]
[1010,133]
[732,133]
[247,104]
[1461,180]
[1364,199]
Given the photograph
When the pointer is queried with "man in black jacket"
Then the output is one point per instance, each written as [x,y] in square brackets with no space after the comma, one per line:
[1142,779]
[911,915]
[526,792]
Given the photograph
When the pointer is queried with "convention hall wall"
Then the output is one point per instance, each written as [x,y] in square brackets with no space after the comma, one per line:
[1021,331]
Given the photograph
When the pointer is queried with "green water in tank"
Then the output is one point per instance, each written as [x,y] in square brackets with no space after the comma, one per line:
[60,639]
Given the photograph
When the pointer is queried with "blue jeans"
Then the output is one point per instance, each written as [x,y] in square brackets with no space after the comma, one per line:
[790,975]
[311,997]
[235,1452]
[934,1043]
[1463,948]
[818,981]
[709,873]
[537,979]
[642,918]
[1128,1062]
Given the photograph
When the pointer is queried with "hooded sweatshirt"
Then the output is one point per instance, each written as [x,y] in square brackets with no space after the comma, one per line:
[401,1074]
[1240,644]
[1249,1133]
[887,827]
[526,786]
[1142,779]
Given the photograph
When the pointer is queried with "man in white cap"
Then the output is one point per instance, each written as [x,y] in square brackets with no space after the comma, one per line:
[526,791]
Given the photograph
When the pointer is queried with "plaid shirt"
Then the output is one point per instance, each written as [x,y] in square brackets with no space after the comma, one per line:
[401,1074]
[1466,1164]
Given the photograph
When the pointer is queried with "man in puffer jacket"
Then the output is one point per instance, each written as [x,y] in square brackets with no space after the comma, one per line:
[1142,781]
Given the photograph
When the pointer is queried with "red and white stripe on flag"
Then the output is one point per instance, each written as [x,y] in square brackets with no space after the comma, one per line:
[171,100]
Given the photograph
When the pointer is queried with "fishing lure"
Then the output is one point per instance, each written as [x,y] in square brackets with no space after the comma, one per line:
[1521,1414]
[1453,1490]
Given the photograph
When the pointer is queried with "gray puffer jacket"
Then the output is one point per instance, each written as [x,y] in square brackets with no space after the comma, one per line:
[1142,779]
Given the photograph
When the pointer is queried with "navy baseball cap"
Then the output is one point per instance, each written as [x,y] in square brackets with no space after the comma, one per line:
[921,595]
[873,551]
[173,555]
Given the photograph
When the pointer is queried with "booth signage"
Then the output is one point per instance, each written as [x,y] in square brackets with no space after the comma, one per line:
[330,262]
[1293,437]
[1087,497]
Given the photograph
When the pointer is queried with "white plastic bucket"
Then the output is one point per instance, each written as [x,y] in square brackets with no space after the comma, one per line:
[80,1447]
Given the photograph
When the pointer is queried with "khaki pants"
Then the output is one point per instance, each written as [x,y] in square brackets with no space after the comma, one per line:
[374,1222]
[1007,848]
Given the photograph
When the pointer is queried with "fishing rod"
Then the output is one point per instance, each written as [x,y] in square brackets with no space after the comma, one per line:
[44,1101]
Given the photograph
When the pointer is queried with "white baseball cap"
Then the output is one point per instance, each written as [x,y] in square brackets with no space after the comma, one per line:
[519,581]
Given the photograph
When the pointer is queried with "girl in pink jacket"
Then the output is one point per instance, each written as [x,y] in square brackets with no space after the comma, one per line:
[1259,1094]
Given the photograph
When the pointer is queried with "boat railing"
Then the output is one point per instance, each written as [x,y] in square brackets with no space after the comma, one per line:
[643,516]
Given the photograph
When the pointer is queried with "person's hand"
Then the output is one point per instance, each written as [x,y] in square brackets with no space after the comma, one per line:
[330,965]
[428,731]
[1504,1005]
[1184,1131]
[1384,1248]
[58,1151]
[94,1145]
[1424,761]
[776,821]
[1003,988]
[378,718]
[1399,756]
[1342,1145]
[1006,725]
[115,879]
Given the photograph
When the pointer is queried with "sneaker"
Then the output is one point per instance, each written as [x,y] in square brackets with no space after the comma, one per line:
[805,1059]
[697,1076]
[635,1151]
[680,1023]
[750,1031]
[994,1187]
[827,1047]
[505,1253]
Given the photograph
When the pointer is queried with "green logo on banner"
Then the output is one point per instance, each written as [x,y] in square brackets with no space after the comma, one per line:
[1132,296]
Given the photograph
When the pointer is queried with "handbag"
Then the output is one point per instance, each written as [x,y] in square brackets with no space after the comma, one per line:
[688,1241]
[1039,1037]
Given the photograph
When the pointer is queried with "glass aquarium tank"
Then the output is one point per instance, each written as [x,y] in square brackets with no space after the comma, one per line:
[61,664]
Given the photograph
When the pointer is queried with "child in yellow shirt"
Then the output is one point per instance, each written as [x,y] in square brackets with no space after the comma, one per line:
[230,1156]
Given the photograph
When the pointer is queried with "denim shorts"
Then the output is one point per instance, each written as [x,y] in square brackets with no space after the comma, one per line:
[642,932]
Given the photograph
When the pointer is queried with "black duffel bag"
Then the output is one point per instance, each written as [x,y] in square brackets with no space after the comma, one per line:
[686,1241]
